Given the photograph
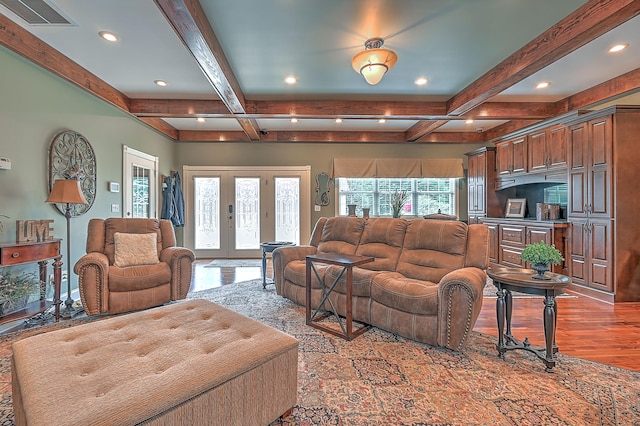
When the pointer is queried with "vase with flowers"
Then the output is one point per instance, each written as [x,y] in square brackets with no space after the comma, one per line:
[541,256]
[398,200]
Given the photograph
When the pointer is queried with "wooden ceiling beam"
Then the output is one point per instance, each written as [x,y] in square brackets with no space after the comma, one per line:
[192,26]
[22,42]
[187,108]
[423,128]
[591,20]
[161,126]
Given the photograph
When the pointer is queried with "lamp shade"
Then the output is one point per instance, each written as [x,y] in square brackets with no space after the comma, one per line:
[374,61]
[66,191]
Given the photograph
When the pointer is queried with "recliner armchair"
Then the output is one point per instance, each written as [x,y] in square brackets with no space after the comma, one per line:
[132,264]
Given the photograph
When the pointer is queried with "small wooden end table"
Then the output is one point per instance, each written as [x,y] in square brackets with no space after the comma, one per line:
[347,262]
[507,280]
[269,247]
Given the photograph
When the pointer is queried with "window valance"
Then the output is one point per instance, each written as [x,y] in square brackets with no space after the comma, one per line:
[397,167]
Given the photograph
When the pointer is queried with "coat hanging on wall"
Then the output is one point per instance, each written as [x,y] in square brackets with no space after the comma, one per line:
[172,199]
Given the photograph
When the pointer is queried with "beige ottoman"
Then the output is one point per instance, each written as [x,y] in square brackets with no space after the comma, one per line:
[188,363]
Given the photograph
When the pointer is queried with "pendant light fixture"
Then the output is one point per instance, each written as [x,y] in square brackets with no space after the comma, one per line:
[374,61]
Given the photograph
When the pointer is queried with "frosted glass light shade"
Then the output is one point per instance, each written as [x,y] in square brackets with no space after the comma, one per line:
[374,63]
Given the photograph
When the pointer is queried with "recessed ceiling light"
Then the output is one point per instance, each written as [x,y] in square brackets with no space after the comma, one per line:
[421,81]
[290,80]
[543,85]
[618,47]
[161,83]
[468,121]
[108,36]
[338,120]
[382,121]
[200,120]
[294,120]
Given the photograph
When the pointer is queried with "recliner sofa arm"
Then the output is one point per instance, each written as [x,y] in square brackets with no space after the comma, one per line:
[459,304]
[180,260]
[93,282]
[283,255]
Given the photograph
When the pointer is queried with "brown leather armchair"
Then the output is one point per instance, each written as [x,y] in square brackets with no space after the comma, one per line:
[143,279]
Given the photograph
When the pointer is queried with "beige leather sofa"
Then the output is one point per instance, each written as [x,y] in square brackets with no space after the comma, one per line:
[425,284]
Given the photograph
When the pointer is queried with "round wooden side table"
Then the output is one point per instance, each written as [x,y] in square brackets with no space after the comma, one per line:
[507,280]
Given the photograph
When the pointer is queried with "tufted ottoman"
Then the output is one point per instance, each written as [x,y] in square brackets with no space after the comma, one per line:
[188,363]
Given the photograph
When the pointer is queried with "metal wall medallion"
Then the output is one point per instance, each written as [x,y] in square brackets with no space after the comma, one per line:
[71,157]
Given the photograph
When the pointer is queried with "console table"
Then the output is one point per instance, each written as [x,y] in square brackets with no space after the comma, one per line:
[507,280]
[347,262]
[41,252]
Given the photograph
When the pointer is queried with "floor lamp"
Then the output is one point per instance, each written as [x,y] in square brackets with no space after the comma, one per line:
[67,192]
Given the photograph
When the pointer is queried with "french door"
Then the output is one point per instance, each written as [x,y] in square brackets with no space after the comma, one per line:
[230,211]
[140,176]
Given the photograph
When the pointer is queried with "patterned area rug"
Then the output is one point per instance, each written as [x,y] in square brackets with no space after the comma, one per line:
[380,378]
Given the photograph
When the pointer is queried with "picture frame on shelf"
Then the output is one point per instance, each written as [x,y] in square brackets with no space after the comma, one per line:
[516,207]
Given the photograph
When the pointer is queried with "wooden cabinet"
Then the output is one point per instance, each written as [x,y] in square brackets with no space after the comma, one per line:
[547,149]
[590,169]
[511,156]
[483,200]
[604,249]
[508,237]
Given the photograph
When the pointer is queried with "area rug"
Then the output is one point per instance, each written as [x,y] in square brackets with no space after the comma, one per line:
[382,379]
[234,263]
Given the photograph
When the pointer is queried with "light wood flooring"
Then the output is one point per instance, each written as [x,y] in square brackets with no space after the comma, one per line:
[587,328]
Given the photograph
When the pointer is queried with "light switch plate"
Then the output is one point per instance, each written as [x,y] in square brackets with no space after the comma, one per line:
[115,208]
[317,208]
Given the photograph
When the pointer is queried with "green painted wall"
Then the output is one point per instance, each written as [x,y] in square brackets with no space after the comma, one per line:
[317,155]
[34,106]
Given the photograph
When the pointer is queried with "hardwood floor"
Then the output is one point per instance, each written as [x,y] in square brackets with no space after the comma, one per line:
[587,328]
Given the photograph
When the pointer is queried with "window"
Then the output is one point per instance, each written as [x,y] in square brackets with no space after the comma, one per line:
[424,195]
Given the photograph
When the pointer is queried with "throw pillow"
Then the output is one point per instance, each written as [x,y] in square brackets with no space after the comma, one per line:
[135,249]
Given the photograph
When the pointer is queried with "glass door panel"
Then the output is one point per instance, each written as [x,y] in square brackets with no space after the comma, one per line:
[247,206]
[140,187]
[287,210]
[207,213]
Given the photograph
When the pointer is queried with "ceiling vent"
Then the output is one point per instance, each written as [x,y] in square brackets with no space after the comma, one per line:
[36,12]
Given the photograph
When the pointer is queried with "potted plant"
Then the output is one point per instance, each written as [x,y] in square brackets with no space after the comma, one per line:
[15,290]
[541,255]
[398,200]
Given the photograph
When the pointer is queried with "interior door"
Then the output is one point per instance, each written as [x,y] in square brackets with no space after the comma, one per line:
[231,211]
[140,177]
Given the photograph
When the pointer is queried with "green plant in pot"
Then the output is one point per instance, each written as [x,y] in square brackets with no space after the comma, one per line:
[541,256]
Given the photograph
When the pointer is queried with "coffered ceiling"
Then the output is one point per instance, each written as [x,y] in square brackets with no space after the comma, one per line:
[226,61]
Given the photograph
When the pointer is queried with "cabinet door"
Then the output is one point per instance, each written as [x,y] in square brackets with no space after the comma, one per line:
[537,235]
[578,160]
[578,250]
[494,245]
[537,155]
[519,155]
[600,252]
[504,158]
[557,147]
[600,183]
[471,184]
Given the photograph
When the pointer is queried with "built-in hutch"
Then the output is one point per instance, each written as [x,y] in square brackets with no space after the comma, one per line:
[594,157]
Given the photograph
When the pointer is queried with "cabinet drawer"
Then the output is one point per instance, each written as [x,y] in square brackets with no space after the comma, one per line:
[512,235]
[511,257]
[17,254]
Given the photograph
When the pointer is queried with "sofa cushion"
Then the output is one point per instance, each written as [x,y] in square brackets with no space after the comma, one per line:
[139,277]
[296,272]
[405,294]
[433,248]
[341,235]
[382,238]
[361,280]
